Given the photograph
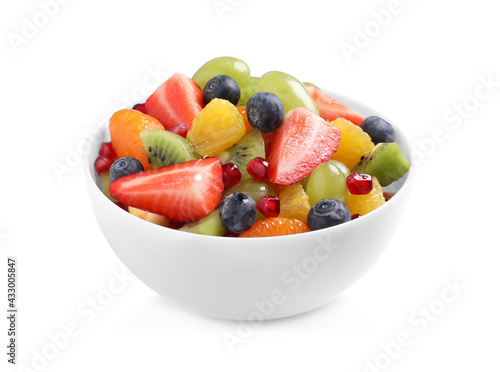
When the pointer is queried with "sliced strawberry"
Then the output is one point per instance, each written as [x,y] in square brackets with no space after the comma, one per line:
[178,100]
[331,109]
[181,192]
[303,141]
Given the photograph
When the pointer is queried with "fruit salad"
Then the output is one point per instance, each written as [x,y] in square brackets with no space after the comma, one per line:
[225,153]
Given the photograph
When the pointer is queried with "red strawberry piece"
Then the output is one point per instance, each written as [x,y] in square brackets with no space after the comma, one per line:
[331,109]
[300,144]
[181,192]
[178,100]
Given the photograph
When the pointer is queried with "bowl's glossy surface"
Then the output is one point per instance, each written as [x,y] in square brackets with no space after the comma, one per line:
[247,278]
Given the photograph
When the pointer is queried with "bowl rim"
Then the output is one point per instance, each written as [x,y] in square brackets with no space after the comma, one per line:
[367,110]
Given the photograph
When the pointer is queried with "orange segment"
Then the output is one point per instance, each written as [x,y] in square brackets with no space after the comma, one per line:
[275,226]
[294,203]
[354,143]
[363,204]
[124,127]
[243,112]
[216,128]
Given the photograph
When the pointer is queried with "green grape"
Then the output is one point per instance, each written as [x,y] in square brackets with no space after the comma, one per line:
[105,181]
[328,181]
[248,90]
[342,167]
[339,165]
[230,66]
[255,189]
[292,92]
[304,181]
[310,85]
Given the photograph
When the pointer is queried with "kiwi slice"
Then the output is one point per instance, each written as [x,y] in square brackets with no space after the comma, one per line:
[250,146]
[385,161]
[166,148]
[209,225]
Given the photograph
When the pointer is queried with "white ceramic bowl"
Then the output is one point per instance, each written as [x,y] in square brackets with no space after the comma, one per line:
[247,278]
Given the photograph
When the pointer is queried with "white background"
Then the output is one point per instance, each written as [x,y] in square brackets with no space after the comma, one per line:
[70,72]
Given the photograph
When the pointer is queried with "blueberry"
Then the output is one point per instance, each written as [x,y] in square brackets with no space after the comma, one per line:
[238,212]
[327,213]
[265,111]
[224,87]
[378,129]
[123,166]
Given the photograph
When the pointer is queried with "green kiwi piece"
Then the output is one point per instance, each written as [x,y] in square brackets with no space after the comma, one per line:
[254,188]
[248,90]
[209,225]
[166,148]
[250,146]
[385,161]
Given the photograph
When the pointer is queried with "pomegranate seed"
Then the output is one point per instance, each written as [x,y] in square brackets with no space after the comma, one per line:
[179,129]
[354,216]
[269,206]
[102,164]
[175,225]
[107,151]
[122,206]
[359,183]
[388,195]
[258,168]
[231,175]
[140,107]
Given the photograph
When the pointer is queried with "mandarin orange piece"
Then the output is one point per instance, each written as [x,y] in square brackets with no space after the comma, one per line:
[125,127]
[294,202]
[243,111]
[275,226]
